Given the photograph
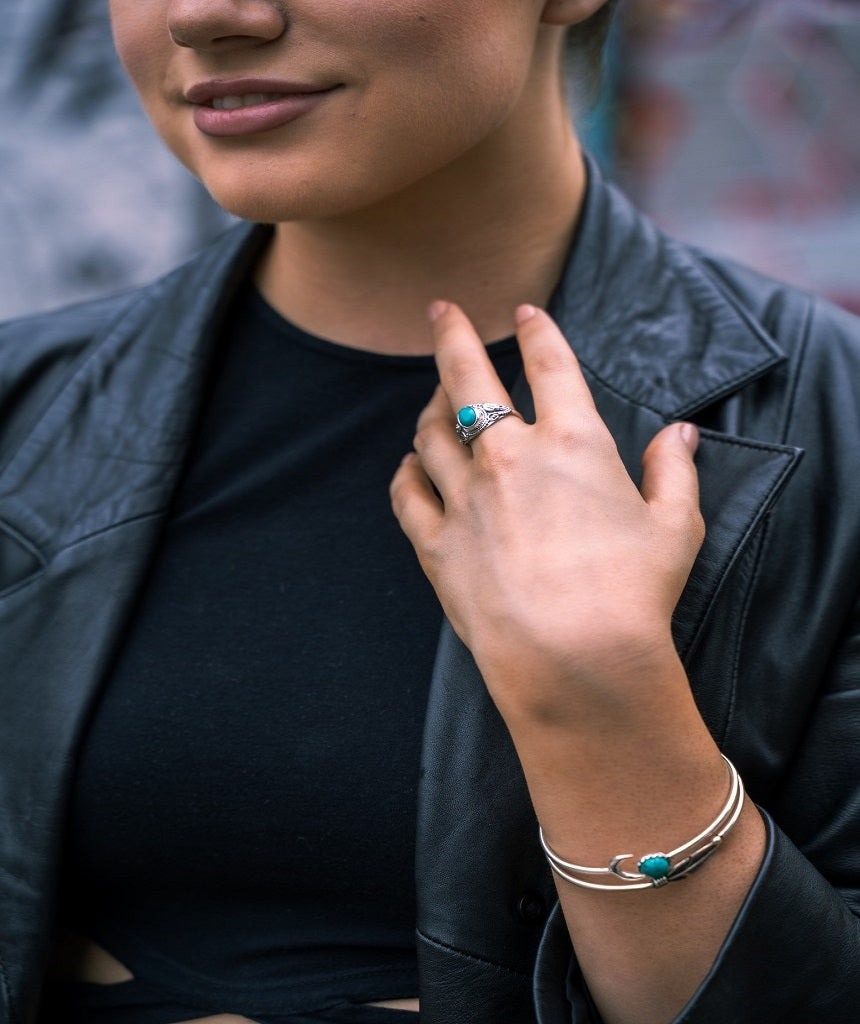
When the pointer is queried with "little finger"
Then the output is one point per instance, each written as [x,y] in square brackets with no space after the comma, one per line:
[415,503]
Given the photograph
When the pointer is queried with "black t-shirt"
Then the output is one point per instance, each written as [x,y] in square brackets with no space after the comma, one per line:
[243,812]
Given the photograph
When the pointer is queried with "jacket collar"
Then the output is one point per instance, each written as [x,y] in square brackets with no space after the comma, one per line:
[645,316]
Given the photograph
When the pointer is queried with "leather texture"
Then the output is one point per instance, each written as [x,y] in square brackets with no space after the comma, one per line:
[97,405]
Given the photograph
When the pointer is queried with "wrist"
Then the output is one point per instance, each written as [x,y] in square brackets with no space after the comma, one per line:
[637,756]
[594,820]
[654,869]
[605,685]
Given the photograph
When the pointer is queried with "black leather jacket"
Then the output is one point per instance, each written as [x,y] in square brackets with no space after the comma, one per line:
[96,406]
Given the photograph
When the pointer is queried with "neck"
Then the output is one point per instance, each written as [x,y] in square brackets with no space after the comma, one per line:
[488,233]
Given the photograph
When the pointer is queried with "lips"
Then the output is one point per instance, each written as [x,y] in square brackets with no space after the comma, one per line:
[248,106]
[254,99]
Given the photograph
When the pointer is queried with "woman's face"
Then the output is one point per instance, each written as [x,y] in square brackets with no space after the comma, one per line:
[312,108]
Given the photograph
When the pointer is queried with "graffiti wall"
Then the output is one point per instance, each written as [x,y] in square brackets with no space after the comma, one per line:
[736,126]
[89,199]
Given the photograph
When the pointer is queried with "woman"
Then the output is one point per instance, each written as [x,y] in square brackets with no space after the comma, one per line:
[218,649]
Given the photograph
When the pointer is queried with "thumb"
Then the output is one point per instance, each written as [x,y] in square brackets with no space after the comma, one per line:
[669,478]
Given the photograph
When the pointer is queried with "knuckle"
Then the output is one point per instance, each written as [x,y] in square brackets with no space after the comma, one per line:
[395,492]
[495,460]
[566,436]
[431,552]
[689,523]
[424,417]
[425,438]
[697,527]
[429,414]
[399,500]
[581,433]
[550,359]
[460,375]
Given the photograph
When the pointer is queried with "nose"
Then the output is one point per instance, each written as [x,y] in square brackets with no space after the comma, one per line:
[222,25]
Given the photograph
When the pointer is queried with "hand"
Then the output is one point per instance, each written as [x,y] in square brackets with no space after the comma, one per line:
[556,572]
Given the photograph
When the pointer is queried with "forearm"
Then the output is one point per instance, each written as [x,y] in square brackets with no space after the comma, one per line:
[645,781]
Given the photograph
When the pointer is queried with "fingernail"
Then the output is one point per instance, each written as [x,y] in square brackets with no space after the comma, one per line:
[437,309]
[524,313]
[690,436]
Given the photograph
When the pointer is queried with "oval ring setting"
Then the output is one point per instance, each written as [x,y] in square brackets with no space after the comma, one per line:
[474,419]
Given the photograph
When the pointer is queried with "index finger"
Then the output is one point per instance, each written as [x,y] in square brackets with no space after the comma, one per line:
[465,370]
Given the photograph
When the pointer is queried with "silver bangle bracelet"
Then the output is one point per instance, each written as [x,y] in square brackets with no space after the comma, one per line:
[658,869]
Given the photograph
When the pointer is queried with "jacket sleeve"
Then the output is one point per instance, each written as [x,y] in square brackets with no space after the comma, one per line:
[793,952]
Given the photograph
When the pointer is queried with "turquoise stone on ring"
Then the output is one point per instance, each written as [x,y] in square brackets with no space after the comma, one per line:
[467,416]
[655,865]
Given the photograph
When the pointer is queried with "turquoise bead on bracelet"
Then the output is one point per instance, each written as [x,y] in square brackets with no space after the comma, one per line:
[655,865]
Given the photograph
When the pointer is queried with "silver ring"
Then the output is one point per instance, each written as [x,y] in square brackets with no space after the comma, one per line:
[474,419]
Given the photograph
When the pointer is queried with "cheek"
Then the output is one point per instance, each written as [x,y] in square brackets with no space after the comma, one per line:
[443,75]
[145,50]
[141,40]
[464,51]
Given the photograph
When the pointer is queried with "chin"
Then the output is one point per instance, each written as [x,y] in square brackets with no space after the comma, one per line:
[256,186]
[267,206]
[273,198]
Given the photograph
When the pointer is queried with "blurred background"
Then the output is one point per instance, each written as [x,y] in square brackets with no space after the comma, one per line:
[90,200]
[734,123]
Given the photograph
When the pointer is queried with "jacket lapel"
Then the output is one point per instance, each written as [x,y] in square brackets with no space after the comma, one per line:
[84,498]
[660,339]
[108,446]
